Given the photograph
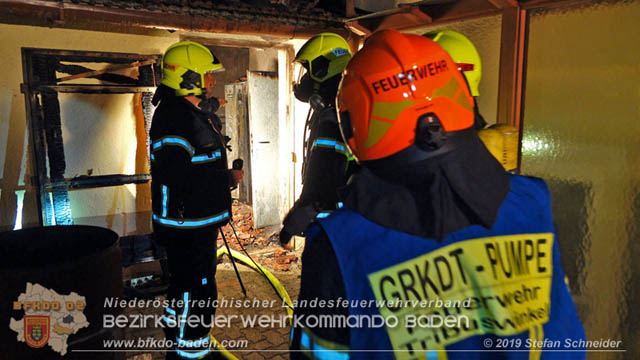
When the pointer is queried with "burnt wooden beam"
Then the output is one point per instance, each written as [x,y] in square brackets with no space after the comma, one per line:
[85,182]
[65,14]
[106,70]
[92,56]
[504,4]
[36,132]
[381,14]
[77,69]
[96,89]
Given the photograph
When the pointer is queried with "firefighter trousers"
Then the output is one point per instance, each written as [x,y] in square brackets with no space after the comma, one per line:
[191,257]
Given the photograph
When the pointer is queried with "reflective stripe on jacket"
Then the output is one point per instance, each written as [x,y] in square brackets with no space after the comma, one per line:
[190,178]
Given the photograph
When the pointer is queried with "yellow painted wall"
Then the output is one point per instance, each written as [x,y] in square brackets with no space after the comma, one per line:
[582,135]
[99,130]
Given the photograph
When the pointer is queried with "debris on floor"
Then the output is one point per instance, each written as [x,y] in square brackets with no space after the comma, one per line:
[245,342]
[262,244]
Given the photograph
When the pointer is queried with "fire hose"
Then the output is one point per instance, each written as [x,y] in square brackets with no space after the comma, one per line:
[247,260]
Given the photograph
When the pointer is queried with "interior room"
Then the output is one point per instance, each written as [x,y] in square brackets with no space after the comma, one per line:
[79,75]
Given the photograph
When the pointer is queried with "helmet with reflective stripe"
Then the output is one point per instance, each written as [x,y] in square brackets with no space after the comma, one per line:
[184,65]
[393,84]
[463,52]
[324,56]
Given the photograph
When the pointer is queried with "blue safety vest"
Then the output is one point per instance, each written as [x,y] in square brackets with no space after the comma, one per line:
[500,289]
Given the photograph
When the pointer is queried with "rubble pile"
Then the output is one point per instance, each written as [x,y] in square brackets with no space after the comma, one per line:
[262,244]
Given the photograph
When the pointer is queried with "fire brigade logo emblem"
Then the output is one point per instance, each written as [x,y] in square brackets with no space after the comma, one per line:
[49,318]
[36,333]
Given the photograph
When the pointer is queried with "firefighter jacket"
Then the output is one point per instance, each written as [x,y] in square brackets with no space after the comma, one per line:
[394,251]
[190,179]
[326,167]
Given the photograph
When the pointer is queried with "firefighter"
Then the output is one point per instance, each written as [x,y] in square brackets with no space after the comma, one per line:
[190,190]
[432,228]
[326,163]
[500,139]
[467,59]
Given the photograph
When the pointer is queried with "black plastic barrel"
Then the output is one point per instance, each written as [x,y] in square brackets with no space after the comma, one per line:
[85,260]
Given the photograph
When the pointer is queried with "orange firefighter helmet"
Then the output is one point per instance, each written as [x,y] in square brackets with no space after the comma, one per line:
[395,81]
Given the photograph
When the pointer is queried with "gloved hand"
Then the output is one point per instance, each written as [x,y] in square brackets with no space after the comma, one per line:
[296,222]
[285,238]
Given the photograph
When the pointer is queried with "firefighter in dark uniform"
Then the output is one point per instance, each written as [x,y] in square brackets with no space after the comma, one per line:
[326,164]
[429,216]
[190,191]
